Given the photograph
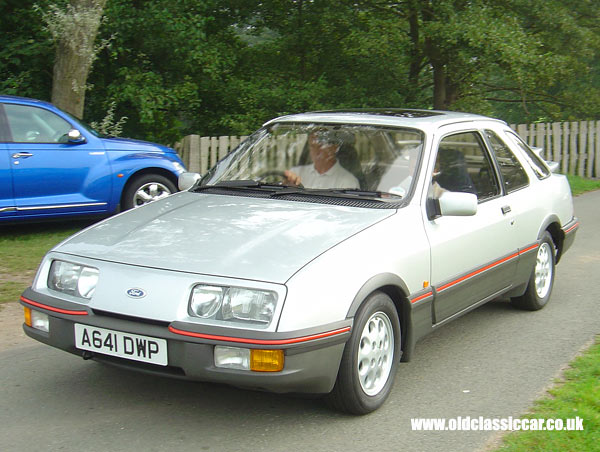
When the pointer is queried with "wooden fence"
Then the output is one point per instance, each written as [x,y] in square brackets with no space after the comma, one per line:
[202,153]
[575,145]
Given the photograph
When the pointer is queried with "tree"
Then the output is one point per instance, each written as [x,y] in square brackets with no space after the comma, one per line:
[73,28]
[25,54]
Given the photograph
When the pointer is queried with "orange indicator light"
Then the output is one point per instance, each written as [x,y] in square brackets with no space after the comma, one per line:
[266,360]
[27,312]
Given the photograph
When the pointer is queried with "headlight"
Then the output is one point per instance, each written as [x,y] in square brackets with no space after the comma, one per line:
[233,304]
[72,279]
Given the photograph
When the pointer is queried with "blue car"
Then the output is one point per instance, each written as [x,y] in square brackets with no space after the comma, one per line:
[51,165]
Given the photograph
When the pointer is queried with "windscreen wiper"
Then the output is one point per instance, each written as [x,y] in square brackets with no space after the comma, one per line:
[241,185]
[370,193]
[348,193]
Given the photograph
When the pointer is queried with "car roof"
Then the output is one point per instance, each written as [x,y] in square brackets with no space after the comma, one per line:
[26,100]
[421,119]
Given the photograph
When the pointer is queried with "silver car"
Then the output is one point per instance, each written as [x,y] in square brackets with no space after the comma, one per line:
[314,256]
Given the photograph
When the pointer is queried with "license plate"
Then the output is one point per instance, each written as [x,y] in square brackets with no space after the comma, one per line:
[124,345]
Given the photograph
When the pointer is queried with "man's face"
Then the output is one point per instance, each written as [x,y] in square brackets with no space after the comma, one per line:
[322,149]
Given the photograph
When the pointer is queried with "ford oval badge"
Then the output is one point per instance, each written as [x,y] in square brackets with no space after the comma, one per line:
[136,293]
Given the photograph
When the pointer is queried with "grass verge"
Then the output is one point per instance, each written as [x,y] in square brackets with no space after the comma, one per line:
[22,247]
[578,394]
[580,185]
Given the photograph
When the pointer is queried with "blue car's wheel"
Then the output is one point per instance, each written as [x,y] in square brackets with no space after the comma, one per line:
[146,189]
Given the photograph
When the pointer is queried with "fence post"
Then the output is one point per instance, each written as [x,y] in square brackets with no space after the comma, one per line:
[589,166]
[582,148]
[566,150]
[522,131]
[556,156]
[539,138]
[204,153]
[193,154]
[223,147]
[574,152]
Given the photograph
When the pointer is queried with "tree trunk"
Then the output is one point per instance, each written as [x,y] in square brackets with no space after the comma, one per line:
[439,86]
[416,57]
[75,32]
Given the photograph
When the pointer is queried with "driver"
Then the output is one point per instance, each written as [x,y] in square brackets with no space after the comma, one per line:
[325,170]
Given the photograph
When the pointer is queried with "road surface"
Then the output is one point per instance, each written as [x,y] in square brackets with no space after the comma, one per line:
[492,362]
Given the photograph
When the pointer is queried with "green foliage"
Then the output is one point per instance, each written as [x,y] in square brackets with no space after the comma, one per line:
[212,67]
[26,55]
[581,185]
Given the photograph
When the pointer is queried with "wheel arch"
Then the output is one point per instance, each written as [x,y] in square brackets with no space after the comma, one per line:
[552,225]
[395,288]
[144,171]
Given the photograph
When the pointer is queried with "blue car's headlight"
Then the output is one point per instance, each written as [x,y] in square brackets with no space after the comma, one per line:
[233,304]
[73,279]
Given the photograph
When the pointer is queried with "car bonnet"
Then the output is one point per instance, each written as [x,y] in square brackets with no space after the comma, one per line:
[221,235]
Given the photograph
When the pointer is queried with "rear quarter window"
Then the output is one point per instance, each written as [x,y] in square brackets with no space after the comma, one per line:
[513,173]
[535,162]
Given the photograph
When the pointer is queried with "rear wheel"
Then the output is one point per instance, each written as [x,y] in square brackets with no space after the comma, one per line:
[370,358]
[540,284]
[145,189]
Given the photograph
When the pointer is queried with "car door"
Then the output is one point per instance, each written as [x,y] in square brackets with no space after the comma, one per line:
[51,175]
[7,202]
[518,197]
[473,257]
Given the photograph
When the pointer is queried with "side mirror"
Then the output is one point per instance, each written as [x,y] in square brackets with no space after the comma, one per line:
[452,204]
[187,180]
[75,137]
[458,204]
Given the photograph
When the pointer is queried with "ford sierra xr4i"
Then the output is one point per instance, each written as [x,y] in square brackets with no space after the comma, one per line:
[314,256]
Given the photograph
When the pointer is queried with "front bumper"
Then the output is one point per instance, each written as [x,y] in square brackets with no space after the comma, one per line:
[312,357]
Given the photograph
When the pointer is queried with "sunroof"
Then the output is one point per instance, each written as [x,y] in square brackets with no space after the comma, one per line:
[399,113]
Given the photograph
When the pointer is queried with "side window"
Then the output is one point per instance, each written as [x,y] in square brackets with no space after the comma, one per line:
[35,125]
[513,174]
[537,165]
[463,165]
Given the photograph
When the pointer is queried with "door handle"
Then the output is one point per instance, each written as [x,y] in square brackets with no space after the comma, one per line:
[506,209]
[22,155]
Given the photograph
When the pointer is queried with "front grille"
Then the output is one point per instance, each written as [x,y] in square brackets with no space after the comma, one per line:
[130,318]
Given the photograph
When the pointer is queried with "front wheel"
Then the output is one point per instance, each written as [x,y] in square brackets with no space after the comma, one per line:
[370,358]
[145,189]
[540,284]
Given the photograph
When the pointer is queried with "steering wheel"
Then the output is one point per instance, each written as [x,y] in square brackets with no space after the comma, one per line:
[270,174]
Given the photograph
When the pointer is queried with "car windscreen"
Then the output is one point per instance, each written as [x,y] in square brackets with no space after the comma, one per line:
[376,161]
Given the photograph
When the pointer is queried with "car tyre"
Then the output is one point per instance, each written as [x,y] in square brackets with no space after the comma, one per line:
[539,287]
[370,359]
[145,189]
